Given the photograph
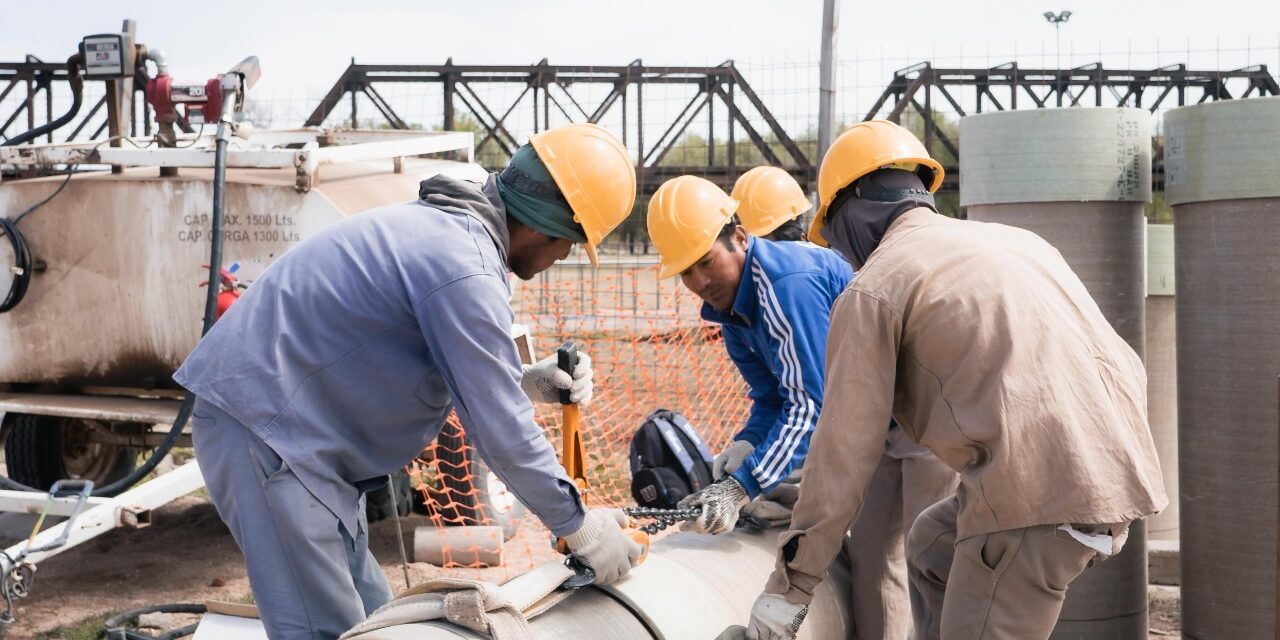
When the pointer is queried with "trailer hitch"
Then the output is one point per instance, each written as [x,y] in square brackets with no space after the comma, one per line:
[18,574]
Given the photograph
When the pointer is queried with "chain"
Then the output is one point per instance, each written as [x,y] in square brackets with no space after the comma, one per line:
[662,518]
[14,585]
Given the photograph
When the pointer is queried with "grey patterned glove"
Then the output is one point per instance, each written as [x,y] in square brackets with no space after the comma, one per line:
[720,503]
[773,617]
[730,459]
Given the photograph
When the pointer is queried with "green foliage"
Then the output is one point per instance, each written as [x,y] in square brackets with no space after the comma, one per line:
[380,123]
[1158,211]
[87,629]
[489,154]
[691,150]
[632,236]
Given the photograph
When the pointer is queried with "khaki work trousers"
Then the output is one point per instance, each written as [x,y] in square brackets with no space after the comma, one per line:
[908,480]
[1006,585]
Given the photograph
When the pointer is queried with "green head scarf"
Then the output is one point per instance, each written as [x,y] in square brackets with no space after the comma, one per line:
[532,197]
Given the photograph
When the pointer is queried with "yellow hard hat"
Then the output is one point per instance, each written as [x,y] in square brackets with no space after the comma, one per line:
[769,197]
[861,149]
[685,216]
[595,174]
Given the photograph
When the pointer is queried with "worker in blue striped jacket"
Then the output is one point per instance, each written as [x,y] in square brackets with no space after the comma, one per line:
[773,302]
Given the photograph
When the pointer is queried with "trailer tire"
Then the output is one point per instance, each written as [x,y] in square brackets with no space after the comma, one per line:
[473,494]
[41,450]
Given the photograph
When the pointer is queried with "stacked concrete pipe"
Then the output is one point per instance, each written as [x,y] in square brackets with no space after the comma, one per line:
[1162,378]
[1080,179]
[1222,176]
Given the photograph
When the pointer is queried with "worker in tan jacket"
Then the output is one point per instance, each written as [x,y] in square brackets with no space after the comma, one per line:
[772,301]
[985,347]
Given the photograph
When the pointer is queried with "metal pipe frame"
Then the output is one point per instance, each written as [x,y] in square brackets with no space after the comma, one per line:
[129,509]
[260,151]
[39,77]
[547,86]
[1171,85]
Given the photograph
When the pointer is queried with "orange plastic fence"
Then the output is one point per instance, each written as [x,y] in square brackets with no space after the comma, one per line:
[649,349]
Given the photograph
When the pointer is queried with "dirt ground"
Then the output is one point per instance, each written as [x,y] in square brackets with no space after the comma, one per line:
[188,555]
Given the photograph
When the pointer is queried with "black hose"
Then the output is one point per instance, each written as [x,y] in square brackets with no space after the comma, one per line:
[211,305]
[108,490]
[22,253]
[117,628]
[21,265]
[77,98]
[215,244]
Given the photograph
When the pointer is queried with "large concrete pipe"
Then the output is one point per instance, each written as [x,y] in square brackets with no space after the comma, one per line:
[1162,378]
[1222,176]
[1079,178]
[692,586]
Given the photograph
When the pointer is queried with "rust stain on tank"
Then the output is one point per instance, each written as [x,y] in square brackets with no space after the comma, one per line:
[119,302]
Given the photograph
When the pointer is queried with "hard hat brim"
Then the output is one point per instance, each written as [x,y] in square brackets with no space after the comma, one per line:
[815,227]
[671,270]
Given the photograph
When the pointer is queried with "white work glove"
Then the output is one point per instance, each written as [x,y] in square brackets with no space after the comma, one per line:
[602,544]
[543,381]
[730,459]
[720,503]
[773,617]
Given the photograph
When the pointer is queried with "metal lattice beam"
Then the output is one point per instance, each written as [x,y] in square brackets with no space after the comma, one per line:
[546,85]
[1002,86]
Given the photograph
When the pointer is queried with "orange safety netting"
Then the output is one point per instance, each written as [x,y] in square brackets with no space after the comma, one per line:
[650,350]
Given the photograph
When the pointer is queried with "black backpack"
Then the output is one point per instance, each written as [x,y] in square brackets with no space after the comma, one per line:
[668,460]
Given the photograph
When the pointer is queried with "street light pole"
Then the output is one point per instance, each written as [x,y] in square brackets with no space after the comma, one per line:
[1057,45]
[1056,20]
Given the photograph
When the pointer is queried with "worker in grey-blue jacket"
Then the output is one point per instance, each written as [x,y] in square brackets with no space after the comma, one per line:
[342,362]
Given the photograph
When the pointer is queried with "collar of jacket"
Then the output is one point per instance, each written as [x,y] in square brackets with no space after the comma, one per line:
[480,202]
[908,220]
[745,303]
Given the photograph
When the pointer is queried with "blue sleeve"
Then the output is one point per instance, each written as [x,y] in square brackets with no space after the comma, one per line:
[797,315]
[467,326]
[762,387]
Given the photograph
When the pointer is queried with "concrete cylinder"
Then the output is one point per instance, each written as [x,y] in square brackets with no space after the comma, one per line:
[1162,378]
[1222,176]
[1079,178]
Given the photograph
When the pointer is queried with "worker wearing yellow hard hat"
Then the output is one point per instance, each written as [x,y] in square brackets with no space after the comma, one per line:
[593,175]
[771,203]
[344,359]
[772,301]
[866,148]
[987,348]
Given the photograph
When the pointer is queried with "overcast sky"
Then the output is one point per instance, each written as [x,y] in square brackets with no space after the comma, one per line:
[304,45]
[307,43]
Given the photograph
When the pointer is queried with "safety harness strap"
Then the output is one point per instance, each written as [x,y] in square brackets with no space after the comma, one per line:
[501,612]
